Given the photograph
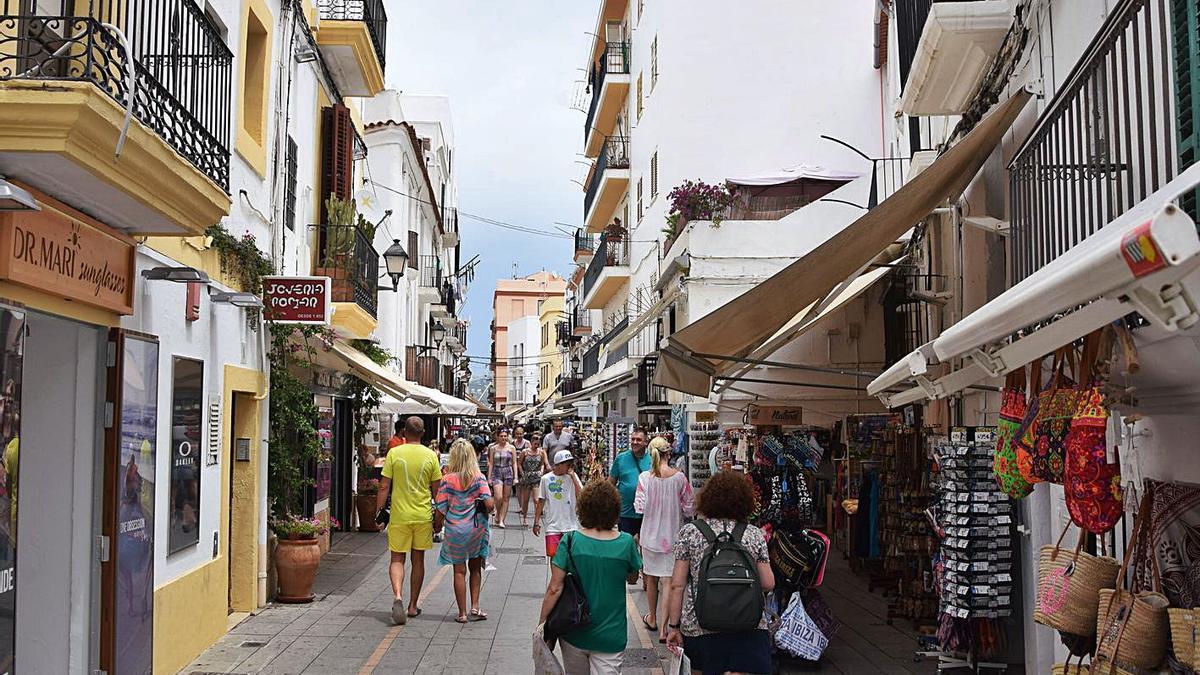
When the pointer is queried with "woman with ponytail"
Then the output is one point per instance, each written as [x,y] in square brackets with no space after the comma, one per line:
[664,496]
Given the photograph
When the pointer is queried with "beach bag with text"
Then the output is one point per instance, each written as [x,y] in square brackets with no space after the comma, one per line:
[728,594]
[798,634]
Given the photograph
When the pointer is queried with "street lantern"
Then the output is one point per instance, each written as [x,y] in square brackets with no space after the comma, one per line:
[396,259]
[575,363]
[439,333]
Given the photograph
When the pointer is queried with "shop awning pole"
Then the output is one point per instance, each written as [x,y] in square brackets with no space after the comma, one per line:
[790,366]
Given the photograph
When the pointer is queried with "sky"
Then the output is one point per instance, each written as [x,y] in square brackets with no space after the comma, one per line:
[511,71]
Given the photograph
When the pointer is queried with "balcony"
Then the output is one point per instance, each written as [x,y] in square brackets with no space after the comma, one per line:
[946,49]
[607,182]
[1100,146]
[457,336]
[569,385]
[609,84]
[450,236]
[420,369]
[585,246]
[346,256]
[606,273]
[66,77]
[650,395]
[352,37]
[432,279]
[591,360]
[581,322]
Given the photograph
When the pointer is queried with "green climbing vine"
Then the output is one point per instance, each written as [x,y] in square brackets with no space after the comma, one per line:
[364,397]
[241,258]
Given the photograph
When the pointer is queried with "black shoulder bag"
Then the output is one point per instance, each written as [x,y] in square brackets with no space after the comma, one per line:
[571,612]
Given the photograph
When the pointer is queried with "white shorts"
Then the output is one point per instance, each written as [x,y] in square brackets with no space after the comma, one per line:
[578,661]
[657,564]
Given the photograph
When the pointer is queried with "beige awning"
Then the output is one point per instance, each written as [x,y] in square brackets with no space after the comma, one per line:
[343,357]
[598,388]
[693,355]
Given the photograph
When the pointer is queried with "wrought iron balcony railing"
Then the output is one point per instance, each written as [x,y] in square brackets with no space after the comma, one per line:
[615,59]
[430,268]
[1103,144]
[648,392]
[346,256]
[165,56]
[581,320]
[420,369]
[584,242]
[614,154]
[570,385]
[591,360]
[370,12]
[612,252]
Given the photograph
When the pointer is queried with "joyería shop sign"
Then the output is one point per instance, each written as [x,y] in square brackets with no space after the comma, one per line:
[60,251]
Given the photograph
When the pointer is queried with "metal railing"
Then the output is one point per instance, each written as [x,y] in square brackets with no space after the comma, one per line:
[430,269]
[622,351]
[460,333]
[420,369]
[614,59]
[570,385]
[370,12]
[581,321]
[614,154]
[346,256]
[584,242]
[591,360]
[648,392]
[1104,142]
[181,68]
[612,252]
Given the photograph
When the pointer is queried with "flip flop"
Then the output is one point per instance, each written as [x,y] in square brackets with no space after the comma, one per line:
[460,619]
[477,615]
[412,615]
[647,624]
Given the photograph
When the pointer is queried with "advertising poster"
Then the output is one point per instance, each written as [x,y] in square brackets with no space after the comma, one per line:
[12,342]
[133,630]
[187,419]
[323,478]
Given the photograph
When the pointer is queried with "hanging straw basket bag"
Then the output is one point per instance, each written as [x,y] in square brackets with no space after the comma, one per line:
[1068,583]
[1185,633]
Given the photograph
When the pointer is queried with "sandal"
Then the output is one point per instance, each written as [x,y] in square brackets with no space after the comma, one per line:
[413,615]
[649,626]
[477,615]
[460,619]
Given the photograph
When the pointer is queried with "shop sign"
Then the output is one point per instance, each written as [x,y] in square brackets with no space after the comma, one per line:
[1141,252]
[59,250]
[769,415]
[297,299]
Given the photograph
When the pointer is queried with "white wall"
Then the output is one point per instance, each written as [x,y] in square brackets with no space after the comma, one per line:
[524,348]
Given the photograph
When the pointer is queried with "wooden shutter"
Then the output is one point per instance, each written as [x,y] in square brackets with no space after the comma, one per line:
[639,97]
[639,199]
[337,155]
[414,252]
[1185,29]
[289,204]
[653,176]
[654,63]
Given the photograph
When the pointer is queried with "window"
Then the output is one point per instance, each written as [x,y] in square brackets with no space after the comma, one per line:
[653,63]
[337,156]
[639,97]
[639,200]
[255,80]
[414,257]
[653,175]
[289,186]
[641,10]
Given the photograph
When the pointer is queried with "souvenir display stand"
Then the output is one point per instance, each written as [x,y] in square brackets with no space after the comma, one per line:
[702,438]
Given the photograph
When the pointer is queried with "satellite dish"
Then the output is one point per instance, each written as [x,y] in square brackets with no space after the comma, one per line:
[369,206]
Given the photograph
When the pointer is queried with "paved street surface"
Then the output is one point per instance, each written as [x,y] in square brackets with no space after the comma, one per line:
[348,628]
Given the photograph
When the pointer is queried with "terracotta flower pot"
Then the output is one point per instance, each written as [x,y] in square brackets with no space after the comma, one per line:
[296,563]
[365,504]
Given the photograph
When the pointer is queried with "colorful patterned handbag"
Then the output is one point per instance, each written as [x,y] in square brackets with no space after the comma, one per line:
[1012,411]
[1092,484]
[1056,407]
[1026,436]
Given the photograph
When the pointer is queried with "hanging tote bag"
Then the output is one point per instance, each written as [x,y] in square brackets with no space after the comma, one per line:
[1185,636]
[1092,484]
[1056,407]
[798,634]
[571,612]
[1132,629]
[1068,582]
[1026,435]
[1012,411]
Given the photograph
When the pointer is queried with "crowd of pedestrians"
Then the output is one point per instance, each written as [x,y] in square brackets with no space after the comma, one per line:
[645,522]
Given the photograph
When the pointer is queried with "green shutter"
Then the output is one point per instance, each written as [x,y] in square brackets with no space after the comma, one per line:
[1185,37]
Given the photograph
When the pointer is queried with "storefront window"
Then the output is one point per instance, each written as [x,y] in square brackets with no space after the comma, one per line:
[187,417]
[12,335]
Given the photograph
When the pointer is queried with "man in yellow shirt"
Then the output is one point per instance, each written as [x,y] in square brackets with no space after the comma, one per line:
[411,475]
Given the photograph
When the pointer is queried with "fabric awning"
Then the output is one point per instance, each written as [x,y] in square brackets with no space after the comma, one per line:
[391,404]
[794,173]
[446,404]
[343,357]
[599,388]
[644,319]
[738,327]
[1145,261]
[801,322]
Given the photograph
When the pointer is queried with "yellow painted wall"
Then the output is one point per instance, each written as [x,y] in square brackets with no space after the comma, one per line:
[190,614]
[254,84]
[551,314]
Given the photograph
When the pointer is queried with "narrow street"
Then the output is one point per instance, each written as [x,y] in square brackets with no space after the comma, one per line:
[348,629]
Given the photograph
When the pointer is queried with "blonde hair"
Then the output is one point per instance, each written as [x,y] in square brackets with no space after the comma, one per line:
[463,462]
[660,452]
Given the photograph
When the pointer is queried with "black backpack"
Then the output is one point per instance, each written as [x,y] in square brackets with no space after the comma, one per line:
[728,594]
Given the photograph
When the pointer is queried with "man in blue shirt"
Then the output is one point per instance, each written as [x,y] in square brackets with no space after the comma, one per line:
[624,473]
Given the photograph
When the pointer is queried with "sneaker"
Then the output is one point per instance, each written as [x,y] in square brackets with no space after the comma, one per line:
[399,613]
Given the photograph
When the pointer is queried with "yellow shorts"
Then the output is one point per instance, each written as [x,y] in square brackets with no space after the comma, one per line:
[405,537]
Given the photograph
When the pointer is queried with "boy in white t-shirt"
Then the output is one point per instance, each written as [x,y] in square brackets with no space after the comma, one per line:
[558,492]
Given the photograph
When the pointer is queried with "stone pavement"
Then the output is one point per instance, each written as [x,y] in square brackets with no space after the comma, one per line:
[348,630]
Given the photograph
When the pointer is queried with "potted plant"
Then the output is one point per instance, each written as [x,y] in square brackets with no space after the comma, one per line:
[297,556]
[366,502]
[695,200]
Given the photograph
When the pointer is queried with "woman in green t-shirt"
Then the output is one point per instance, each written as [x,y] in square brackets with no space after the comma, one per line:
[604,560]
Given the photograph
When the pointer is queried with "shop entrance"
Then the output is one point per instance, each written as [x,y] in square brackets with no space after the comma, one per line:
[341,494]
[53,419]
[242,509]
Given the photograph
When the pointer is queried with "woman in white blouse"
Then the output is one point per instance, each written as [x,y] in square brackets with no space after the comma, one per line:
[664,496]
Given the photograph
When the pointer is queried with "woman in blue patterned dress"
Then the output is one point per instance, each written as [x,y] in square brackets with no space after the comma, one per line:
[464,501]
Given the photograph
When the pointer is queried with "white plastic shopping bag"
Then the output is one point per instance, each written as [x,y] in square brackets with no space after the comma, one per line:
[544,660]
[798,633]
[679,664]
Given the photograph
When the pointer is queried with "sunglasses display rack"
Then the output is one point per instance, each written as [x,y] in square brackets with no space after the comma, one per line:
[702,438]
